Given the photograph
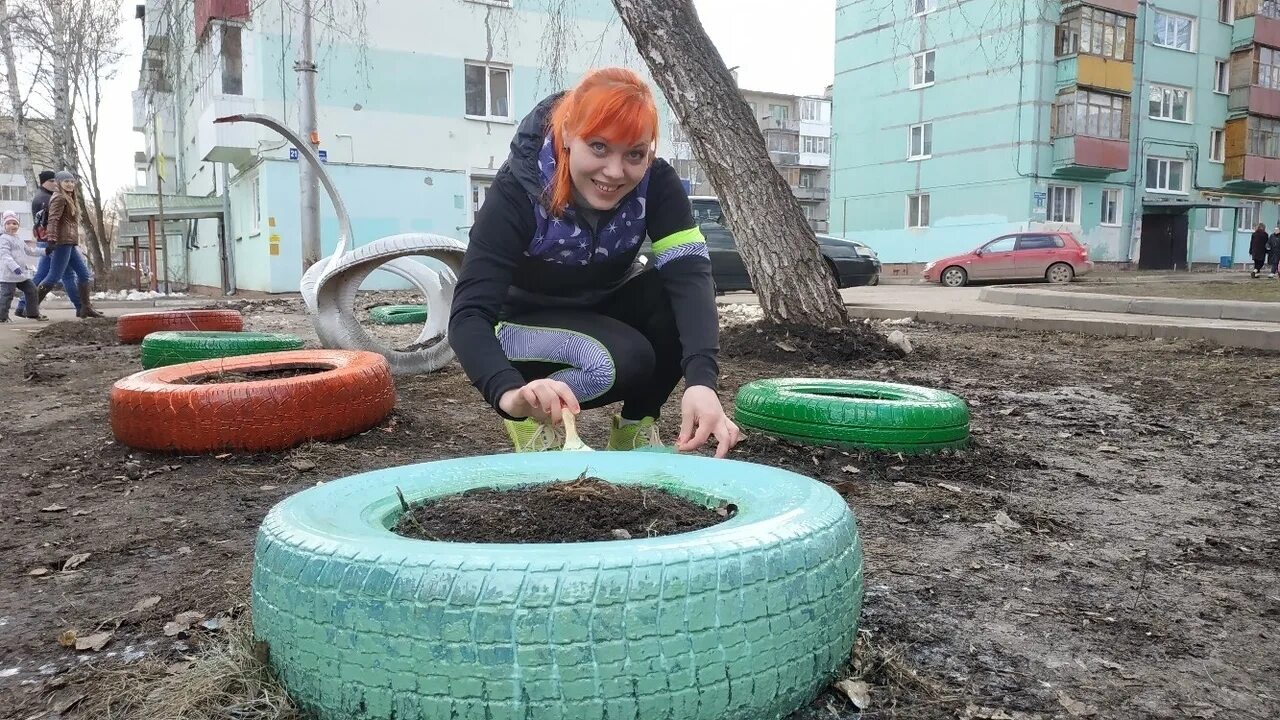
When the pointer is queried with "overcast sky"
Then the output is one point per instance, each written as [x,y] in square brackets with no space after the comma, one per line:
[788,48]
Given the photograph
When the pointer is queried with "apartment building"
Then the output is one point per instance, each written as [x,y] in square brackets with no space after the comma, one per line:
[1149,129]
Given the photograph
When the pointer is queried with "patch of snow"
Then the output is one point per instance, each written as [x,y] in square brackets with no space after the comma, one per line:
[9,672]
[134,295]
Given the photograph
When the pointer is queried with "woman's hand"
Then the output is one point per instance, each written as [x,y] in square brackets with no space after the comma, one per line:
[702,416]
[541,400]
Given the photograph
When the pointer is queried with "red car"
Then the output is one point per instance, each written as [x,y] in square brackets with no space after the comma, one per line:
[1054,256]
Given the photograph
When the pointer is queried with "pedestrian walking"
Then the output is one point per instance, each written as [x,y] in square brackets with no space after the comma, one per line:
[63,225]
[1258,248]
[1273,253]
[39,214]
[15,271]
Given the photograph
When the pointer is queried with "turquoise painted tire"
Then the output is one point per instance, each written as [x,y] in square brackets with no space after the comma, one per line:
[160,349]
[398,314]
[745,620]
[854,414]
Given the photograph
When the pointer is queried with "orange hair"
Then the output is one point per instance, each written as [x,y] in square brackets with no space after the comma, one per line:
[611,103]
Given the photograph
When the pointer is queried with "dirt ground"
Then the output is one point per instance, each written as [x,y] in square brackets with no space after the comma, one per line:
[1240,288]
[1108,547]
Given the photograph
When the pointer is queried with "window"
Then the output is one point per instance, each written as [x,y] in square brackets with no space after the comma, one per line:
[1213,216]
[1175,31]
[782,142]
[1039,242]
[1110,214]
[1095,114]
[1216,146]
[1250,211]
[921,141]
[1093,31]
[811,109]
[479,189]
[13,193]
[1266,68]
[1221,76]
[488,90]
[1168,103]
[1062,204]
[1004,244]
[1226,11]
[1263,137]
[917,211]
[232,61]
[255,205]
[922,69]
[1165,175]
[816,145]
[807,178]
[780,113]
[920,7]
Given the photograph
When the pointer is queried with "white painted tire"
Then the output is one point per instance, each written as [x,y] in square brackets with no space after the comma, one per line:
[335,287]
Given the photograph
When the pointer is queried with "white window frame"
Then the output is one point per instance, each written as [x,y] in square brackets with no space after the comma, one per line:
[926,141]
[1213,216]
[1221,77]
[923,59]
[1230,7]
[922,209]
[1253,217]
[488,92]
[920,7]
[1070,210]
[1118,206]
[255,205]
[1167,92]
[1159,14]
[1217,145]
[1167,163]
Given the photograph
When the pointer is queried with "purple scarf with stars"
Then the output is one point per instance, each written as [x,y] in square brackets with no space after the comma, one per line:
[568,239]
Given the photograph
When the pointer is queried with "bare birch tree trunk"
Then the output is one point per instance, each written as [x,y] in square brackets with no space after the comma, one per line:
[22,150]
[790,277]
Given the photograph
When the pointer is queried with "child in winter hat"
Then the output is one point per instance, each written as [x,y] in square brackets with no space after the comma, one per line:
[15,269]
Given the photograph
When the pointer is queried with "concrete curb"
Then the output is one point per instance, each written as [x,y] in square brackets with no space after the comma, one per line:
[1168,307]
[1256,338]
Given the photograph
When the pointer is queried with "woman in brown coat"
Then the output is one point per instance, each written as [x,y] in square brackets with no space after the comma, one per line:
[62,241]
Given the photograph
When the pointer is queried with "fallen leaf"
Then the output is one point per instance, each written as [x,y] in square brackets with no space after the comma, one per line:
[850,469]
[302,465]
[1075,707]
[182,622]
[78,513]
[953,488]
[94,642]
[178,667]
[75,561]
[1108,449]
[858,692]
[898,468]
[184,550]
[1004,521]
[37,572]
[784,346]
[53,508]
[66,700]
[212,624]
[1008,411]
[264,488]
[146,603]
[67,638]
[172,628]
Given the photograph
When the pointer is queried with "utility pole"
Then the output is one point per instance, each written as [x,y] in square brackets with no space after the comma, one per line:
[309,226]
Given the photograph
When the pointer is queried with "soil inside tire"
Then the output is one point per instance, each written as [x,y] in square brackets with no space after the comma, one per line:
[585,510]
[237,376]
[775,343]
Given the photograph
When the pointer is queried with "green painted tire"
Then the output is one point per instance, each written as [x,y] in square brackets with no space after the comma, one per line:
[854,414]
[744,620]
[170,348]
[398,314]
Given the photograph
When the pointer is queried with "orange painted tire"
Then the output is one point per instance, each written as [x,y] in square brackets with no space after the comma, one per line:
[133,327]
[166,410]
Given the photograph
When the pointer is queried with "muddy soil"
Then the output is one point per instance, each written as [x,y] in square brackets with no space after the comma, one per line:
[239,376]
[582,510]
[1108,547]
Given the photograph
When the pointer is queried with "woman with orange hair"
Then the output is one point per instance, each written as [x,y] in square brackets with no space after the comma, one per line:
[554,312]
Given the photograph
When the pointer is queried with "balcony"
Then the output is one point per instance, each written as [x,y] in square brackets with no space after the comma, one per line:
[1127,7]
[1246,167]
[819,226]
[1255,100]
[1255,25]
[784,159]
[234,143]
[1096,72]
[810,193]
[786,124]
[206,10]
[1089,158]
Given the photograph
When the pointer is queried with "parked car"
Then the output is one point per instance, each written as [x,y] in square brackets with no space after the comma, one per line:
[1055,256]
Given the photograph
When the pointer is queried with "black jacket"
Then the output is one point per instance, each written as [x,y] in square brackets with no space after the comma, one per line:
[1258,242]
[40,212]
[519,254]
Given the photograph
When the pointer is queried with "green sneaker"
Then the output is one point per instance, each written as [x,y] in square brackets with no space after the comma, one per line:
[642,434]
[529,435]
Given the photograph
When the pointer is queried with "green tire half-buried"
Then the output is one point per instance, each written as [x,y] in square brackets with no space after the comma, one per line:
[854,414]
[744,620]
[160,349]
[398,314]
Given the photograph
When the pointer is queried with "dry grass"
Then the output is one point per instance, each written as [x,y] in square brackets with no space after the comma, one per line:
[229,678]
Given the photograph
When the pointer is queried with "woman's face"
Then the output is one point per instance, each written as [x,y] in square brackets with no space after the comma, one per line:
[68,186]
[603,173]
